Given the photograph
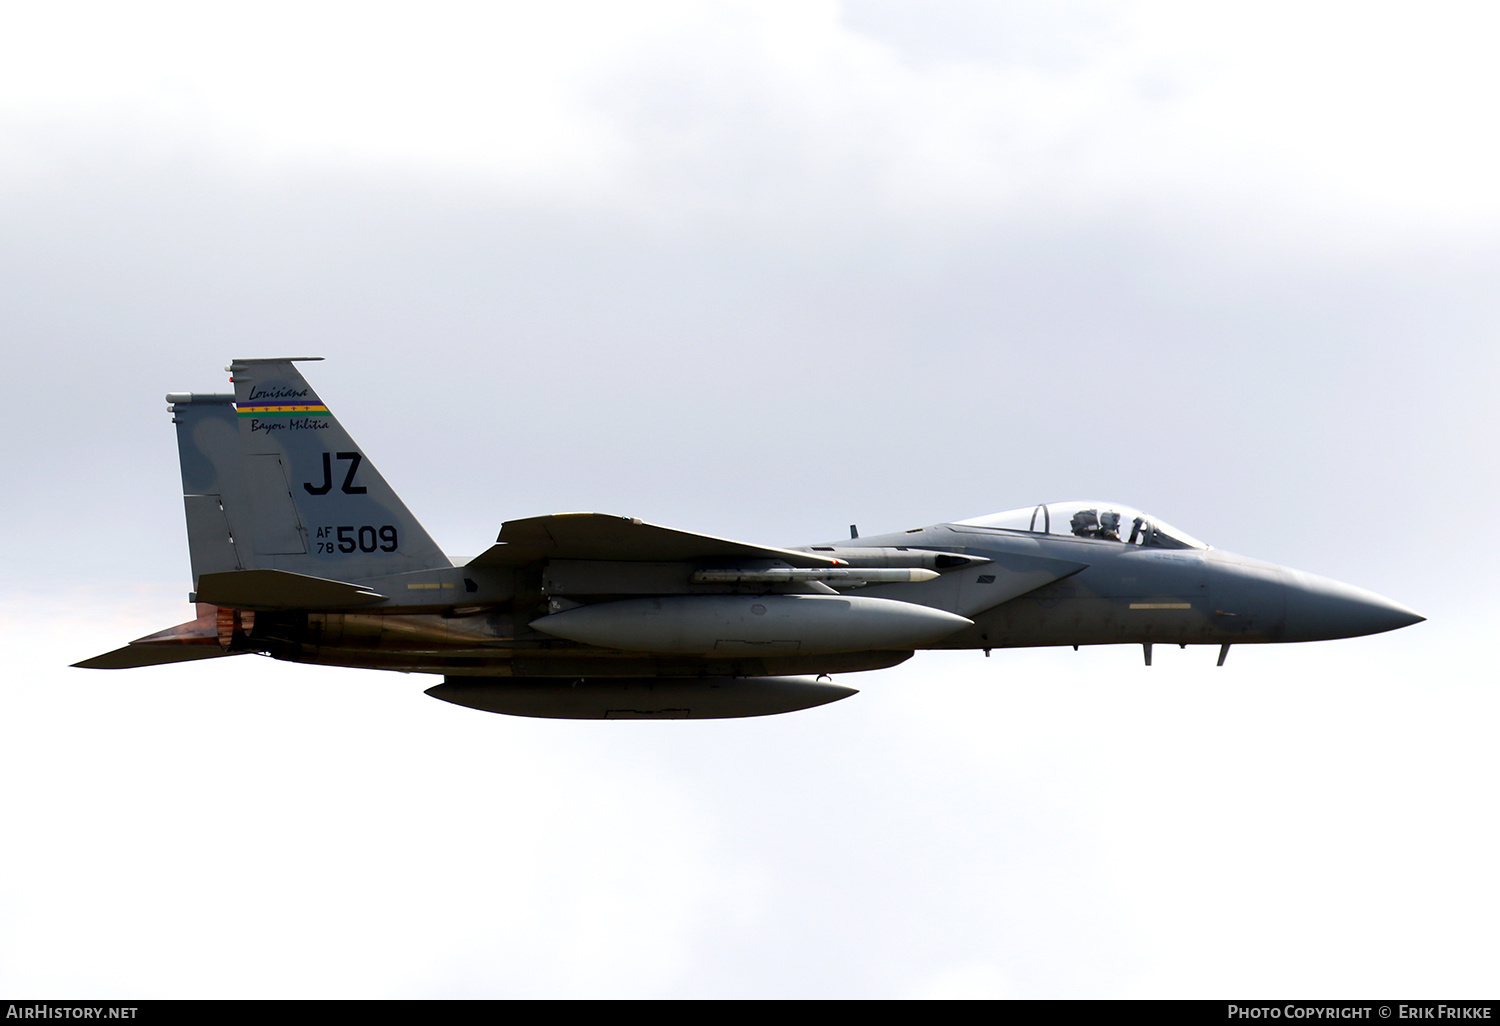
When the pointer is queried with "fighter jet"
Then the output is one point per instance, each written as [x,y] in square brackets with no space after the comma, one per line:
[301,551]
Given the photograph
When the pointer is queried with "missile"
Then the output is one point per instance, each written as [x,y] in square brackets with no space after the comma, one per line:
[837,577]
[753,624]
[895,556]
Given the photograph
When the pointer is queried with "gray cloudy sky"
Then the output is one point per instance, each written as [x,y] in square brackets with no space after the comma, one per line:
[763,270]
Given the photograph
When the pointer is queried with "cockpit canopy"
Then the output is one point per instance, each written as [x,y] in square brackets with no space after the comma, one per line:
[1102,521]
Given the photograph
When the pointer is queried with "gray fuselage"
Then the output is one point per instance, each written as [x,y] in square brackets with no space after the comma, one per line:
[1019,589]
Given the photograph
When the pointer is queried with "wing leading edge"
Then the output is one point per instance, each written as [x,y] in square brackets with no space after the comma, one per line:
[609,537]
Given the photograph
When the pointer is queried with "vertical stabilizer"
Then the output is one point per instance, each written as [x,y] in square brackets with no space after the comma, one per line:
[208,448]
[272,481]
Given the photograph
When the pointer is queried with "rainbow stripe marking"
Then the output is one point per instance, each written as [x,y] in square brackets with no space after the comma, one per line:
[281,409]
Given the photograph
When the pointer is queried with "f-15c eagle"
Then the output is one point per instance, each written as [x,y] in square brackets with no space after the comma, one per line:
[301,551]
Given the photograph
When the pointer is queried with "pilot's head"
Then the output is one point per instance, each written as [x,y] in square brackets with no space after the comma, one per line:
[1085,521]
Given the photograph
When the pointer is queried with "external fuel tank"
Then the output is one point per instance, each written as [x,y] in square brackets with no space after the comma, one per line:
[753,624]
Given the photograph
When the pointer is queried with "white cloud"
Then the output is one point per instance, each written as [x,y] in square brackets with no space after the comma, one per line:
[792,108]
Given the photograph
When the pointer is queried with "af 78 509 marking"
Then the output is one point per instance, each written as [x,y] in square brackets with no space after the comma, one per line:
[365,538]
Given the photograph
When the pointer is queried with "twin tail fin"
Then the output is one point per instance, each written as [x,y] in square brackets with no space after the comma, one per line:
[272,481]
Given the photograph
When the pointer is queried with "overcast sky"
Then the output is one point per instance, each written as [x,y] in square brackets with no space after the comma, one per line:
[762,271]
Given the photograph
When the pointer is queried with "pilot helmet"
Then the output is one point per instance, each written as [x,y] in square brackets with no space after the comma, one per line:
[1085,520]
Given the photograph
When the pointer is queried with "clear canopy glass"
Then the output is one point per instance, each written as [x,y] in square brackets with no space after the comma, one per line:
[1100,521]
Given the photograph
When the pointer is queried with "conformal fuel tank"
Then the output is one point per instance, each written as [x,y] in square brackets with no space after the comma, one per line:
[753,624]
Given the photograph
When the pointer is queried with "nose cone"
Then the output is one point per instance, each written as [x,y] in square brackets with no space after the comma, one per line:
[1318,609]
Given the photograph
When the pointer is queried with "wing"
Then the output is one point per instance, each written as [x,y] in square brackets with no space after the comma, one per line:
[603,536]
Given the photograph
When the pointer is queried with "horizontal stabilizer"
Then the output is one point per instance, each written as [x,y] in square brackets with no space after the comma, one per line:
[268,590]
[604,536]
[131,656]
[196,639]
